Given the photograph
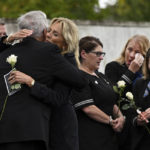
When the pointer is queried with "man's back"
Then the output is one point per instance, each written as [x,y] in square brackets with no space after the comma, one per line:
[25,118]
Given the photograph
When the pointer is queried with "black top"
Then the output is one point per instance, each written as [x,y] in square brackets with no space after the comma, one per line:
[64,127]
[93,134]
[141,137]
[116,72]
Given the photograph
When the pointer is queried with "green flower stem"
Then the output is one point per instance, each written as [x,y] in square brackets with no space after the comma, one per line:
[147,128]
[4,105]
[118,106]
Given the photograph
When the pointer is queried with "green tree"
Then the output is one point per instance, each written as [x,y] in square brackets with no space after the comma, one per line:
[128,10]
[74,9]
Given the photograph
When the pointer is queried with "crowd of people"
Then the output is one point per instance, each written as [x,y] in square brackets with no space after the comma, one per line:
[64,102]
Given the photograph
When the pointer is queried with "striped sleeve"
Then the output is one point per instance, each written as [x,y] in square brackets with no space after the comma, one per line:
[128,77]
[82,98]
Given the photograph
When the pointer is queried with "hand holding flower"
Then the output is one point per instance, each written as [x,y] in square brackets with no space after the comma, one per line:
[142,116]
[147,113]
[20,77]
[140,120]
[12,59]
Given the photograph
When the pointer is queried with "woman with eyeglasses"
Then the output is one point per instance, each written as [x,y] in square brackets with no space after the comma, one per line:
[98,115]
[128,68]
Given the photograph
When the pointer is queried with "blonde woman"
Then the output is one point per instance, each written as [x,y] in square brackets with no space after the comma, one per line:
[128,68]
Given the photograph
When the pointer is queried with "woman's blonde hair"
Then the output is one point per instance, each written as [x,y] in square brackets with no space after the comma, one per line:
[145,68]
[142,41]
[70,35]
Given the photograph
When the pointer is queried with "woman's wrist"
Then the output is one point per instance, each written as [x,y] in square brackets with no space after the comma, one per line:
[31,82]
[9,39]
[110,120]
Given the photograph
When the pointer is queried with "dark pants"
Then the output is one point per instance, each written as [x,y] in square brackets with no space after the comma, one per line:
[27,145]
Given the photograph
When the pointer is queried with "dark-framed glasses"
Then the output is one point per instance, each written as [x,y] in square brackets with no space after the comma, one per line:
[98,54]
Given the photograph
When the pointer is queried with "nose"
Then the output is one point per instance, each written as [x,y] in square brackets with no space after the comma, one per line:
[101,57]
[132,54]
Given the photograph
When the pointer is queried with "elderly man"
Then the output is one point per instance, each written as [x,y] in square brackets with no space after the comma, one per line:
[2,29]
[26,121]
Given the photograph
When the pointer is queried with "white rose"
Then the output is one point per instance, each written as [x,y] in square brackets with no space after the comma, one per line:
[129,95]
[12,59]
[121,84]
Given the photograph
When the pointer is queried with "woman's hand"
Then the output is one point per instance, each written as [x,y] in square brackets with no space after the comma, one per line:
[147,113]
[118,123]
[19,35]
[142,119]
[136,63]
[20,77]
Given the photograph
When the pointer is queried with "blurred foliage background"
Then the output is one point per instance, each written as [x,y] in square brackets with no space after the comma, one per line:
[123,10]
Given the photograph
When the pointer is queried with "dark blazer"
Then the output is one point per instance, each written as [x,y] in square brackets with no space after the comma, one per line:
[25,118]
[64,129]
[115,72]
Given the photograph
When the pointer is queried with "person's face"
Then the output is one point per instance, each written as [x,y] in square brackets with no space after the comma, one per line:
[54,35]
[2,30]
[132,48]
[94,58]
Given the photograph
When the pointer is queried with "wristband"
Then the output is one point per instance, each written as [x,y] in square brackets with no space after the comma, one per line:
[7,40]
[33,82]
[110,119]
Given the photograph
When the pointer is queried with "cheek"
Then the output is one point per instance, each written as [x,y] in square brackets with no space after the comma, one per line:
[126,55]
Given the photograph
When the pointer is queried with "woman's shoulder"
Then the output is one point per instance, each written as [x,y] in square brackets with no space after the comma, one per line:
[71,58]
[113,64]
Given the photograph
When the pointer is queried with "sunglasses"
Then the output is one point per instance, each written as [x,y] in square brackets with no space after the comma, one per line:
[98,54]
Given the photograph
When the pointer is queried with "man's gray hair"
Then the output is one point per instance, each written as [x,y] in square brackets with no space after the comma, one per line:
[34,20]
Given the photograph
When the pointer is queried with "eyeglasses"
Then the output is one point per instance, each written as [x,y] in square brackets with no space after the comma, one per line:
[98,54]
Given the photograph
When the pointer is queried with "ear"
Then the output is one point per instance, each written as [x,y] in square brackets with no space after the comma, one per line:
[83,54]
[44,34]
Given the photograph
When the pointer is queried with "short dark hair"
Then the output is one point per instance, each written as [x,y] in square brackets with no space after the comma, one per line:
[88,43]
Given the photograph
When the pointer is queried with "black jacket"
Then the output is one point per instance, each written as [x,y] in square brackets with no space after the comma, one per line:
[140,135]
[116,72]
[25,118]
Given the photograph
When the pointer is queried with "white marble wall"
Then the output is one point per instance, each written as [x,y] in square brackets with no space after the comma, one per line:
[112,37]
